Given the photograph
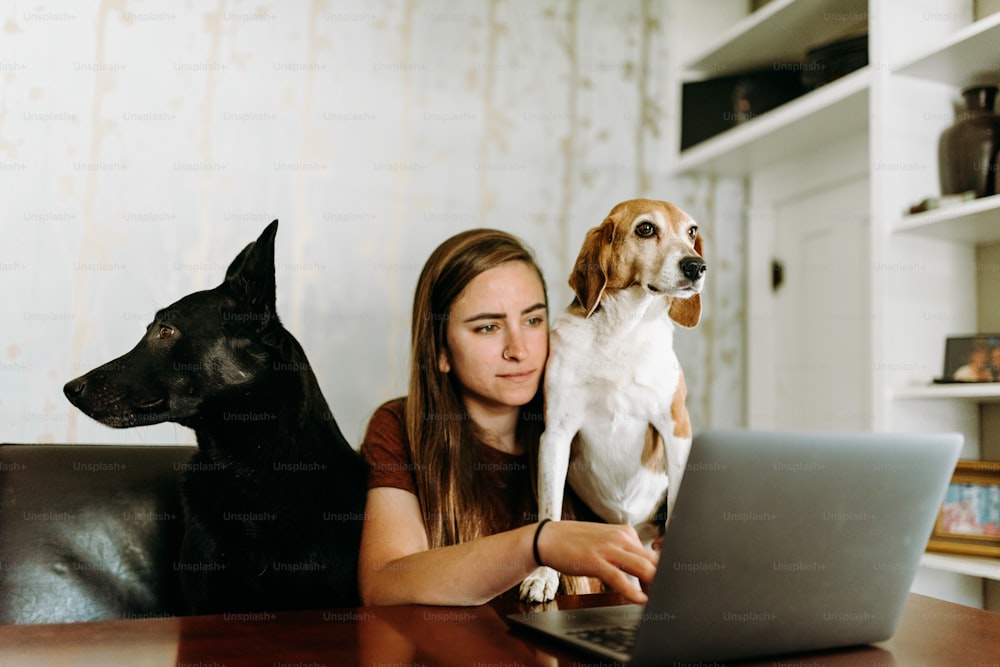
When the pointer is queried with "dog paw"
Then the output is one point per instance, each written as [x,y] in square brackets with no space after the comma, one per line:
[540,586]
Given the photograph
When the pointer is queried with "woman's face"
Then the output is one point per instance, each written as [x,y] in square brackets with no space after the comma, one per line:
[497,337]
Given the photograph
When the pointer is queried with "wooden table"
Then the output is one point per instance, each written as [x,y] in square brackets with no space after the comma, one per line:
[932,632]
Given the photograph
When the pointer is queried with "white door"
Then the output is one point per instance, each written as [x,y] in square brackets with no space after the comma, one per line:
[821,309]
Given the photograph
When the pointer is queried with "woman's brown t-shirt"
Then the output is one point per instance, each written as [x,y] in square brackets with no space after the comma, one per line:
[503,479]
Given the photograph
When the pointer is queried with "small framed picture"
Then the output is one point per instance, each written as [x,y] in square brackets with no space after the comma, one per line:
[972,358]
[969,520]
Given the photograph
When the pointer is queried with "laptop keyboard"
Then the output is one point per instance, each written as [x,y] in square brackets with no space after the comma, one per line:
[617,638]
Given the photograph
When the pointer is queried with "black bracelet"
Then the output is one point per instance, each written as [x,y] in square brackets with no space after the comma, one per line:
[534,545]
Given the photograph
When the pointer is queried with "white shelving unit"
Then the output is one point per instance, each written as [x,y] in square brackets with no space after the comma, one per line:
[973,566]
[854,335]
[951,392]
[751,44]
[832,112]
[973,222]
[966,56]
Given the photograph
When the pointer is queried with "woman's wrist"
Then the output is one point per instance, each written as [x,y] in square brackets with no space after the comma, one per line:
[534,543]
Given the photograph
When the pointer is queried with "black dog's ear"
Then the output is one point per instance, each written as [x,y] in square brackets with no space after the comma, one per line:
[250,279]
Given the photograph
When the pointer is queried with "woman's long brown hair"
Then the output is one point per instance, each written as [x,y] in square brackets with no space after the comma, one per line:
[439,428]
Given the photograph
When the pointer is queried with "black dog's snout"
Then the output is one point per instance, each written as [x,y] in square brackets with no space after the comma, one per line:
[74,388]
[693,268]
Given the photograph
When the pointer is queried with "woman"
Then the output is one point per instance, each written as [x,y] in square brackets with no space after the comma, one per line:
[450,518]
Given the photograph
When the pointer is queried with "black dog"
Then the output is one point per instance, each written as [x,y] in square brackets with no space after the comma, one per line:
[274,497]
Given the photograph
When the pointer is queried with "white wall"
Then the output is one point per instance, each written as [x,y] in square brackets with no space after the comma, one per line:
[142,144]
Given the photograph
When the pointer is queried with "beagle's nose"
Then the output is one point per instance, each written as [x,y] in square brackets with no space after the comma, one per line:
[693,268]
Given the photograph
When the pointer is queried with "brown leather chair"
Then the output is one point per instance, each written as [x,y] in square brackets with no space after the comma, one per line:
[90,532]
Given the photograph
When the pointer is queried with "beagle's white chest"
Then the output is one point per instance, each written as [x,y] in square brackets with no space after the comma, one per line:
[623,388]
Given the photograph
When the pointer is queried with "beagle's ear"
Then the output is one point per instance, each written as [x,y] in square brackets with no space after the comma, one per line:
[593,267]
[697,246]
[687,312]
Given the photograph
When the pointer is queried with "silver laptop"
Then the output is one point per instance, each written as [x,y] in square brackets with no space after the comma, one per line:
[779,543]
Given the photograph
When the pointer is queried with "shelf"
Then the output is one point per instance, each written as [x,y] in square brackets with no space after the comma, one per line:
[971,222]
[974,566]
[781,32]
[799,150]
[970,55]
[986,392]
[836,111]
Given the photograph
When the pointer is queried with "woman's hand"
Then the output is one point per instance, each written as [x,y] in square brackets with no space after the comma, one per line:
[610,552]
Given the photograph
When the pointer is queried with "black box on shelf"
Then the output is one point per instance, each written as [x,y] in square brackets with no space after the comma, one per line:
[715,105]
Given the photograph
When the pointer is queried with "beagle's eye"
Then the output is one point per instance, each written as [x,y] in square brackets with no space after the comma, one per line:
[165,332]
[645,230]
[693,232]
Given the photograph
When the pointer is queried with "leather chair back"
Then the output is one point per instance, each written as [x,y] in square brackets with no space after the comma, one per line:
[90,532]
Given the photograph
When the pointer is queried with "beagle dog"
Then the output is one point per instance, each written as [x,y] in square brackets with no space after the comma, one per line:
[616,425]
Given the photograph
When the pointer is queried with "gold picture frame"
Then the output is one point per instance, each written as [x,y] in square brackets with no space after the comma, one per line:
[969,520]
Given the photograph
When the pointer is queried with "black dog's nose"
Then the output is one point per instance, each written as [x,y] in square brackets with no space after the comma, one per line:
[693,268]
[74,388]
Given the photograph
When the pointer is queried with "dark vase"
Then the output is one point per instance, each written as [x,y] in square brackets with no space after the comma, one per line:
[967,151]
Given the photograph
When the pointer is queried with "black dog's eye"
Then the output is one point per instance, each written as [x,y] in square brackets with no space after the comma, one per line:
[165,332]
[645,229]
[693,232]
